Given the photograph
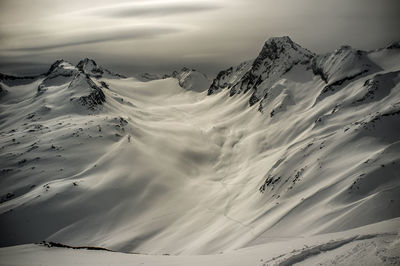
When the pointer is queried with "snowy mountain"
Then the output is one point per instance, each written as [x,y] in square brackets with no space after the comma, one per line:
[189,79]
[229,77]
[289,158]
[276,58]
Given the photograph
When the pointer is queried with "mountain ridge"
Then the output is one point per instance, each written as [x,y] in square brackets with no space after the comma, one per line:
[354,62]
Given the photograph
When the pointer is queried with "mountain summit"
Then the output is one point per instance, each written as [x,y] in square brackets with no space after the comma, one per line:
[278,55]
[90,67]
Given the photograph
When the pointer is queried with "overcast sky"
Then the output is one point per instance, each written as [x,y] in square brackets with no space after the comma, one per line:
[159,36]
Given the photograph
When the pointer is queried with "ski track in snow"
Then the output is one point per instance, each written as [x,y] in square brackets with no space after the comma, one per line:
[307,253]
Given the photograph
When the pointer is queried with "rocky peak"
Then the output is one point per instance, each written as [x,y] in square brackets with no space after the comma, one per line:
[275,46]
[90,67]
[280,48]
[60,64]
[278,56]
[61,68]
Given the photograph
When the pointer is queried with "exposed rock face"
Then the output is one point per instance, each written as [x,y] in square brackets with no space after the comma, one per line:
[90,67]
[229,77]
[86,92]
[61,68]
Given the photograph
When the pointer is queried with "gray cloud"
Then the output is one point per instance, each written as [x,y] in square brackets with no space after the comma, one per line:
[151,10]
[180,32]
[99,37]
[24,68]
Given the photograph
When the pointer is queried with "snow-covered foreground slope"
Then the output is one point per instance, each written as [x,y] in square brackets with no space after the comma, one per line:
[376,244]
[89,158]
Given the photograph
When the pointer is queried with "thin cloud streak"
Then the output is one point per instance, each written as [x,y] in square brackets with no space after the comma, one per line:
[151,10]
[118,35]
[162,35]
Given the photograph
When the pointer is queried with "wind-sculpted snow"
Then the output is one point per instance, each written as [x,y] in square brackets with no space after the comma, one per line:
[154,167]
[342,63]
[341,67]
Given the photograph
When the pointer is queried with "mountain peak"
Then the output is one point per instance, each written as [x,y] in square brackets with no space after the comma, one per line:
[274,47]
[278,55]
[86,61]
[90,67]
[278,40]
[60,63]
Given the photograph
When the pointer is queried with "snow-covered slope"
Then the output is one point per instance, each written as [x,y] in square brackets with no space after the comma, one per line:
[192,80]
[229,77]
[154,168]
[90,68]
[277,57]
[189,79]
[376,244]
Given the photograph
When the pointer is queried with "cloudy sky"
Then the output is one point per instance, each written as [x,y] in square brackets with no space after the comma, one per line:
[159,36]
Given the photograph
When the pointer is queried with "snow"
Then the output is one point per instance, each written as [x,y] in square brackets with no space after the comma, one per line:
[189,79]
[229,77]
[160,167]
[342,63]
[277,57]
[192,80]
[376,244]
